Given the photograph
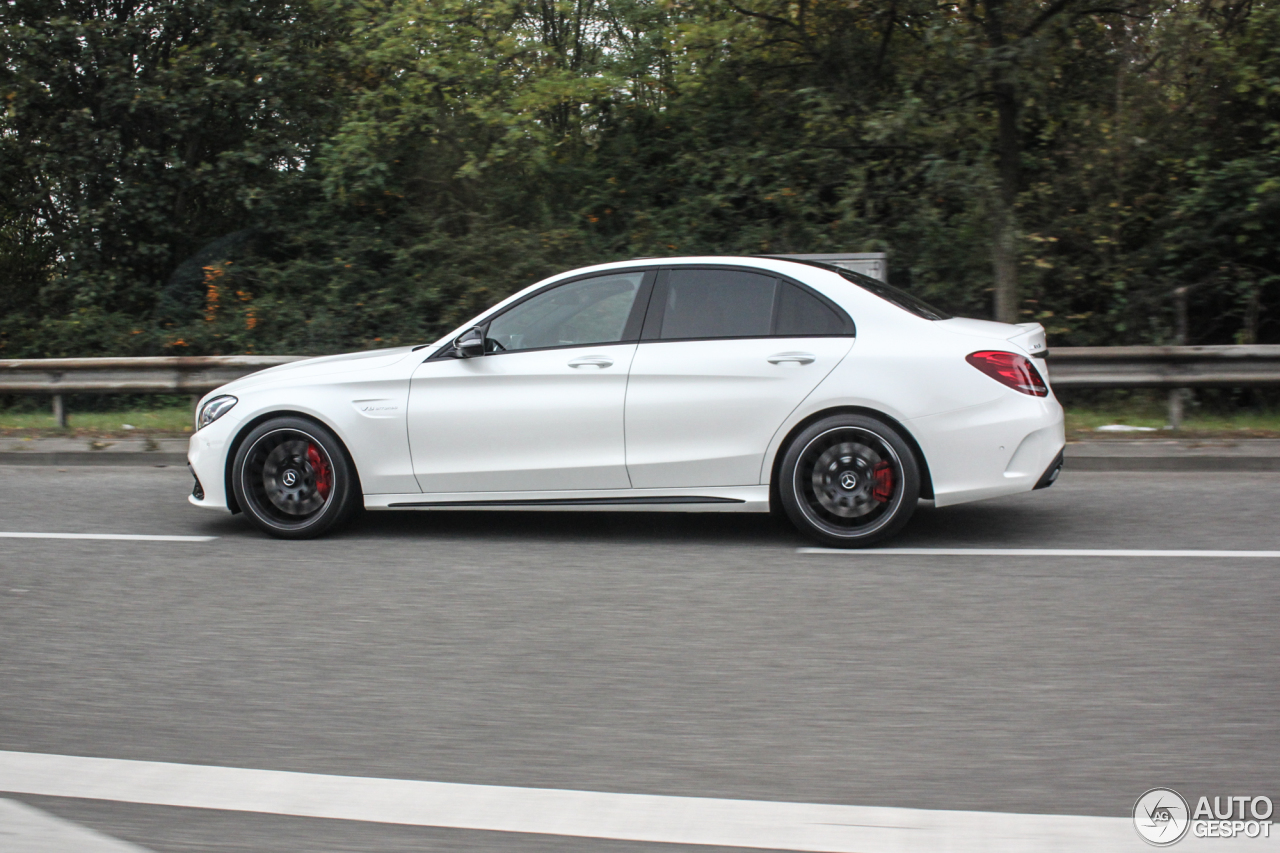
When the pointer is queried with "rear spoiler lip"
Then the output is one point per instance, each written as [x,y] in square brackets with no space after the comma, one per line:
[1028,337]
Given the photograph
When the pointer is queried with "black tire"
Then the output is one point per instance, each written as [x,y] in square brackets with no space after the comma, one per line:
[292,478]
[849,481]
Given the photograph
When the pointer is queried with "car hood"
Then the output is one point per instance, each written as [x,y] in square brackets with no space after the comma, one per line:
[312,368]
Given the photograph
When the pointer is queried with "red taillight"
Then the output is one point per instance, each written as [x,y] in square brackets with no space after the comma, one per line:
[1010,369]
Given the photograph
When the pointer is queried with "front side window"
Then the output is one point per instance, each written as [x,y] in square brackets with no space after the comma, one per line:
[589,311]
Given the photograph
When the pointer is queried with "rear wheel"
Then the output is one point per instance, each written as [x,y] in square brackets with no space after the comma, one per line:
[849,481]
[292,479]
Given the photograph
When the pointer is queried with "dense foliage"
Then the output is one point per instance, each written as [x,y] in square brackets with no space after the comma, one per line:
[216,176]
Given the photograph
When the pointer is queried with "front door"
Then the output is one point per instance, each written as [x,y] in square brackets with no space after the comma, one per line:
[542,409]
[727,355]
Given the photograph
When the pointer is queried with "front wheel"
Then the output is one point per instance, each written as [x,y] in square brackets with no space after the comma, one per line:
[849,481]
[292,478]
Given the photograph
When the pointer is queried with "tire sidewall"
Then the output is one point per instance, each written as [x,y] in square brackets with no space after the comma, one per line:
[341,502]
[791,501]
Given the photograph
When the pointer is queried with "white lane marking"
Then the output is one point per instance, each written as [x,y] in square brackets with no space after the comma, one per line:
[1035,552]
[27,830]
[547,811]
[126,537]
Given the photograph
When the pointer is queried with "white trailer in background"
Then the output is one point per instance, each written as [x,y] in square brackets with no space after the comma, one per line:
[873,264]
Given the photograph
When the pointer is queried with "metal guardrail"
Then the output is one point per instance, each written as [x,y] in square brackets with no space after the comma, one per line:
[1164,367]
[1069,367]
[162,375]
[174,375]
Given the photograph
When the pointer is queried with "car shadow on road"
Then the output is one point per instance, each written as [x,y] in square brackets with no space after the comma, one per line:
[615,527]
[986,524]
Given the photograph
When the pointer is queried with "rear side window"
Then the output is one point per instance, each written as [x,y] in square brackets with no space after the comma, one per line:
[718,304]
[711,303]
[801,314]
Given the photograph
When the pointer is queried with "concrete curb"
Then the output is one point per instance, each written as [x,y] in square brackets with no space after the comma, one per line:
[93,451]
[92,459]
[1147,463]
[1164,454]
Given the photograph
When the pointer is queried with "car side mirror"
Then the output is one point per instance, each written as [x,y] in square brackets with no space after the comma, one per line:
[470,343]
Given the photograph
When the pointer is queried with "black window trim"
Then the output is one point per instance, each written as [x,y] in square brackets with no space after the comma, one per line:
[630,331]
[917,307]
[658,305]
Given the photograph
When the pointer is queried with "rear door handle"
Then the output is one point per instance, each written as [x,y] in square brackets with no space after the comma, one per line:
[599,361]
[792,358]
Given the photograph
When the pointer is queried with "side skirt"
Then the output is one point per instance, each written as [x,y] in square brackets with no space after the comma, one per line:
[720,499]
[675,499]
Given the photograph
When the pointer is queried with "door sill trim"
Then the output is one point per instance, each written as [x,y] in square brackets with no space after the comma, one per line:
[639,500]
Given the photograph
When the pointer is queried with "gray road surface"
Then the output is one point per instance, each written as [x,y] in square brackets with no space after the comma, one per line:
[692,655]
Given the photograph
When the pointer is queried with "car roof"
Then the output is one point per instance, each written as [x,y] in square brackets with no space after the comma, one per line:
[833,282]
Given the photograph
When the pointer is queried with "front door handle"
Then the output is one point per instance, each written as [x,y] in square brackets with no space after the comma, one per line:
[792,358]
[599,361]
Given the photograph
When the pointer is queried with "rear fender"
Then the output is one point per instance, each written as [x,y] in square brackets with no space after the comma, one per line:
[926,479]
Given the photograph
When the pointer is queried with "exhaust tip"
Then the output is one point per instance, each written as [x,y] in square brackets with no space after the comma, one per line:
[1051,473]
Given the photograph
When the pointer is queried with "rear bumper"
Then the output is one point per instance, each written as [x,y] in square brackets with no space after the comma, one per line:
[1050,475]
[1001,447]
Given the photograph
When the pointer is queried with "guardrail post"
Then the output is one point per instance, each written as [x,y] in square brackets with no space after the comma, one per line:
[1178,395]
[59,412]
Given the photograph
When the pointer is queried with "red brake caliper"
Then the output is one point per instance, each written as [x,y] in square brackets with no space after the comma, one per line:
[324,477]
[883,475]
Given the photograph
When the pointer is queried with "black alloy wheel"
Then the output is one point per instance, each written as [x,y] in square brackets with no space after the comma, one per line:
[292,478]
[849,481]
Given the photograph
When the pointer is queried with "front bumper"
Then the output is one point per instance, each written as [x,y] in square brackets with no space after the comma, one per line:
[197,491]
[207,459]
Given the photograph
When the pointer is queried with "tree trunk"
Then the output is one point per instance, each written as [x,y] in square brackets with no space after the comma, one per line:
[1252,317]
[1004,261]
[1004,247]
[1004,89]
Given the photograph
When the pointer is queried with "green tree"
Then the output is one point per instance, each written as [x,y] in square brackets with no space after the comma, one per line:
[136,132]
[226,175]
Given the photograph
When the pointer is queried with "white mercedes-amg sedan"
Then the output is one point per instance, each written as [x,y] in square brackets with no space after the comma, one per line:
[702,384]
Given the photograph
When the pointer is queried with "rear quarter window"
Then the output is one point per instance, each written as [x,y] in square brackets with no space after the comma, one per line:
[801,314]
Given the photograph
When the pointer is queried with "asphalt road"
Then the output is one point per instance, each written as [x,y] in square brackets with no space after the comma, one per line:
[691,655]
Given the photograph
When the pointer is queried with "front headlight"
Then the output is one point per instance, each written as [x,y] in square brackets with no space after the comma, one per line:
[214,409]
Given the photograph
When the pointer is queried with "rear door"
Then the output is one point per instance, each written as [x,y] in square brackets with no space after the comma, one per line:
[726,354]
